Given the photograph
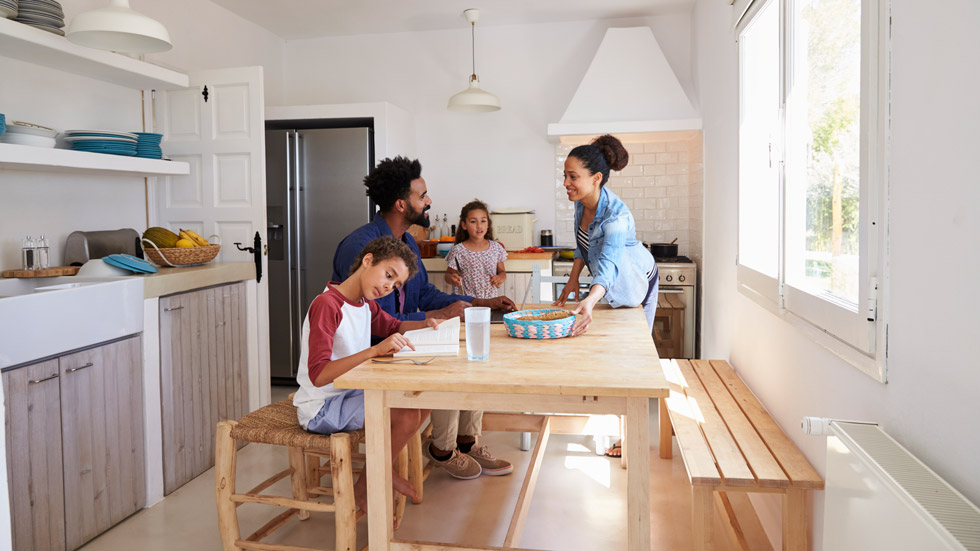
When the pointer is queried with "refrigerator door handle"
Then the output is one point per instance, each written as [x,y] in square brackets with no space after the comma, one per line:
[298,182]
[290,228]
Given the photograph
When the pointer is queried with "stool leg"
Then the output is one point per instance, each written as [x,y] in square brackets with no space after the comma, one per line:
[224,483]
[298,478]
[402,468]
[414,448]
[343,492]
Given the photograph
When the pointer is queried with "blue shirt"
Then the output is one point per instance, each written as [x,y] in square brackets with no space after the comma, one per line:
[419,295]
[616,259]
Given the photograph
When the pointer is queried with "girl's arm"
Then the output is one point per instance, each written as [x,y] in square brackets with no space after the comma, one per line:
[498,279]
[453,278]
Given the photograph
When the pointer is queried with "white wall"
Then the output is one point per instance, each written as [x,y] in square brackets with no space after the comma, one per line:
[503,158]
[930,403]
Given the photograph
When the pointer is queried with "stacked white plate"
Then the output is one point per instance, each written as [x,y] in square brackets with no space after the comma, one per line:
[25,133]
[8,8]
[41,14]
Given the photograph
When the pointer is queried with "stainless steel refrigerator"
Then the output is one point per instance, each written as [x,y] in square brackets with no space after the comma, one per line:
[315,197]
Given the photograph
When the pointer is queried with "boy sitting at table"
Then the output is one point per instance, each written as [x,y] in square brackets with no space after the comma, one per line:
[337,337]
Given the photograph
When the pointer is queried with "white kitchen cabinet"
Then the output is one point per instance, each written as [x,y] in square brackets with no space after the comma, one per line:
[75,451]
[204,375]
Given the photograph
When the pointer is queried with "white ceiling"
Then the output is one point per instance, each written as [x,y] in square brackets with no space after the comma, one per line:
[294,19]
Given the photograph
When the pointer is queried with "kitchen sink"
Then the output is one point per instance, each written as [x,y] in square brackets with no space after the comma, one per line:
[42,317]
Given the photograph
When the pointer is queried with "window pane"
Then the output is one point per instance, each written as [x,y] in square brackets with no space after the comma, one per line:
[758,179]
[823,141]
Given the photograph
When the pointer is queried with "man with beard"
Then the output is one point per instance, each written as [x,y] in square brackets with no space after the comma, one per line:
[396,186]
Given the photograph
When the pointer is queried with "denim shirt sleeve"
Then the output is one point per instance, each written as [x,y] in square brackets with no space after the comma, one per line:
[606,260]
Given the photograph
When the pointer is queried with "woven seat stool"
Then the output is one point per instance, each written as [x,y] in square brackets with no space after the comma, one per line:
[277,424]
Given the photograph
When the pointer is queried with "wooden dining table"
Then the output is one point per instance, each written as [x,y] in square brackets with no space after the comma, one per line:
[612,369]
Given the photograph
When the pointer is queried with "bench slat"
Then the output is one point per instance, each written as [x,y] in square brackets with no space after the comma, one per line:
[799,471]
[701,470]
[760,460]
[731,463]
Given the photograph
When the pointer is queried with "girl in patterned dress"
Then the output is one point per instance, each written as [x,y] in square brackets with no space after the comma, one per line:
[476,261]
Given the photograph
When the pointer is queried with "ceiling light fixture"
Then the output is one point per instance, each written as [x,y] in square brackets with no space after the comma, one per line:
[119,28]
[474,99]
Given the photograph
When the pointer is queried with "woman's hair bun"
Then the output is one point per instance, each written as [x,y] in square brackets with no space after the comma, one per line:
[613,151]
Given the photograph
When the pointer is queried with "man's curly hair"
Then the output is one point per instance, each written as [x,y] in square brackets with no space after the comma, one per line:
[387,247]
[391,180]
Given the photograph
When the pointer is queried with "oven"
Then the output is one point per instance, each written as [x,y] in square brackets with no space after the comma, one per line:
[674,324]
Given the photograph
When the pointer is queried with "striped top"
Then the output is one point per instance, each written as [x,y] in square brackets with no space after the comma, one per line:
[582,239]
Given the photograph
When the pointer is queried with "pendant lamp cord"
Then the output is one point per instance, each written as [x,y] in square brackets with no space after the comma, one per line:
[473,46]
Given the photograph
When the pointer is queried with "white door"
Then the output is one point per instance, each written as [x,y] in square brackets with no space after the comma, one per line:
[217,125]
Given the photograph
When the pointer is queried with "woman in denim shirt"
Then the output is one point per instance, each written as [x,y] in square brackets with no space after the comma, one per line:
[623,270]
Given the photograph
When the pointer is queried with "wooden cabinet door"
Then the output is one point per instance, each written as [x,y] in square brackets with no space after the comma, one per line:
[102,427]
[34,468]
[204,375]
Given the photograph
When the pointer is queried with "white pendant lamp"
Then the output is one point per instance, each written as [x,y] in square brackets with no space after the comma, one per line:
[474,99]
[120,29]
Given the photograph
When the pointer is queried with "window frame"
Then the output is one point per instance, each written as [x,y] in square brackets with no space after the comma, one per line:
[856,335]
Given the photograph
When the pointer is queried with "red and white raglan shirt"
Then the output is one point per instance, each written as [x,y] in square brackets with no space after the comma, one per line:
[334,328]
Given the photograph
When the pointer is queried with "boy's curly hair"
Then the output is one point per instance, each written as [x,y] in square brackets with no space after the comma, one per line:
[391,180]
[387,247]
[475,204]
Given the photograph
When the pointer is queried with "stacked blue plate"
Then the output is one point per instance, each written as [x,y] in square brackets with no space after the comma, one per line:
[148,145]
[130,262]
[3,124]
[102,141]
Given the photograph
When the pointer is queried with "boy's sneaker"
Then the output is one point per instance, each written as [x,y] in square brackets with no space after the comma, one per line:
[490,464]
[459,465]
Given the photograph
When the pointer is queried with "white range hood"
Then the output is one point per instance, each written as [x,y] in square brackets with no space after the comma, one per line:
[629,87]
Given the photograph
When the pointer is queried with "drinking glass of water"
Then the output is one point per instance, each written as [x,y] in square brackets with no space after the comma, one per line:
[477,333]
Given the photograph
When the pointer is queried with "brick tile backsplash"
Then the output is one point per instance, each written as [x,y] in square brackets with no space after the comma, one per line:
[662,186]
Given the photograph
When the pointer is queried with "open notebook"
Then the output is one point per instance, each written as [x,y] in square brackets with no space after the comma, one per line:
[443,341]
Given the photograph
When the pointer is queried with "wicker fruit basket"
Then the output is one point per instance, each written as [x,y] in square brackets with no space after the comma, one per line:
[177,256]
[539,329]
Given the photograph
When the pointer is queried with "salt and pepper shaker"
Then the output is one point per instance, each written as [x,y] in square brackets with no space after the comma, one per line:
[42,253]
[28,258]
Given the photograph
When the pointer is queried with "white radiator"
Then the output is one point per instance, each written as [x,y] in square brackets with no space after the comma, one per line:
[880,496]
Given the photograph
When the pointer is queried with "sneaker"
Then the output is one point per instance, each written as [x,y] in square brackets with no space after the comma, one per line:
[459,465]
[490,464]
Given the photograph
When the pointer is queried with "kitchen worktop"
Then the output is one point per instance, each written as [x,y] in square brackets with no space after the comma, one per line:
[523,264]
[177,280]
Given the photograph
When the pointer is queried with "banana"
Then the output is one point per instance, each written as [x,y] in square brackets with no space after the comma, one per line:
[201,242]
[184,236]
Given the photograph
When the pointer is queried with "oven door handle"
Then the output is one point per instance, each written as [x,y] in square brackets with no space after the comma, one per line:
[670,291]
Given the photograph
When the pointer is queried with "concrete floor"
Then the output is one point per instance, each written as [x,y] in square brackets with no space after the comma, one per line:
[579,504]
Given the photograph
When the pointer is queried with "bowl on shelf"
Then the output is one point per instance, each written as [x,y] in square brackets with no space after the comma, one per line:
[25,133]
[443,249]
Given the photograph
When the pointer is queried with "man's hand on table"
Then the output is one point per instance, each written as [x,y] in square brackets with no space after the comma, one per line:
[496,303]
[454,310]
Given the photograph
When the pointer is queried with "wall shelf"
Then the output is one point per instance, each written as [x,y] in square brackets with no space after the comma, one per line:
[25,157]
[18,41]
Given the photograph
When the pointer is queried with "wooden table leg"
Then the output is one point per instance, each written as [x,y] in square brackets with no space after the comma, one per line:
[377,428]
[666,444]
[638,476]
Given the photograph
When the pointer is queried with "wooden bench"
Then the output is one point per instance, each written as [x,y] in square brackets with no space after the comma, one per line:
[729,443]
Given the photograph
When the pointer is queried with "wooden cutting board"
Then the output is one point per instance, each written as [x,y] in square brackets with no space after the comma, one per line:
[47,272]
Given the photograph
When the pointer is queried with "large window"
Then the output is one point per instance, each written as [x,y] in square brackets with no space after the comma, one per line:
[811,156]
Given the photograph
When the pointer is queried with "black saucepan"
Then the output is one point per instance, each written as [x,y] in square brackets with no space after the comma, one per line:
[662,250]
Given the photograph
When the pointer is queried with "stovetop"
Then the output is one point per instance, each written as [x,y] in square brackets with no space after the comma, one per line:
[673,260]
